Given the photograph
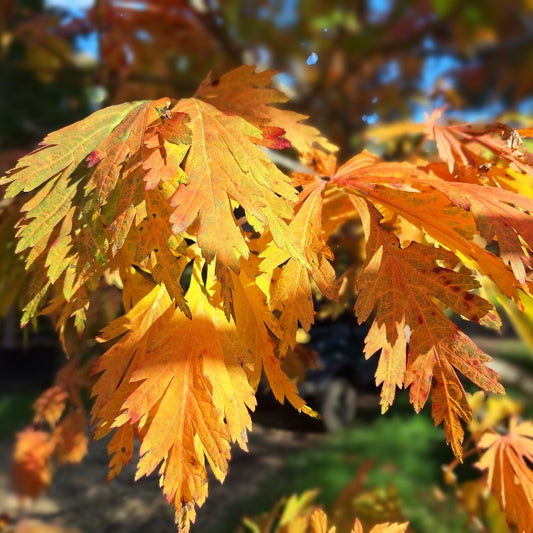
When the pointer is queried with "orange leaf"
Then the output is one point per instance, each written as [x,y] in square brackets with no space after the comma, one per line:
[291,293]
[50,405]
[74,191]
[425,202]
[182,384]
[407,287]
[500,214]
[224,166]
[249,94]
[507,458]
[120,449]
[71,438]
[461,145]
[31,472]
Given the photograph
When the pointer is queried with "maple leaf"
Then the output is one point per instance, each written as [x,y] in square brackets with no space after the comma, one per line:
[498,213]
[86,195]
[12,271]
[412,193]
[249,94]
[460,145]
[183,384]
[402,287]
[50,405]
[507,459]
[63,150]
[318,523]
[67,180]
[71,438]
[224,166]
[256,325]
[291,292]
[187,401]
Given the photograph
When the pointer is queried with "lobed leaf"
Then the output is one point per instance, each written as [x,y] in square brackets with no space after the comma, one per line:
[507,459]
[407,290]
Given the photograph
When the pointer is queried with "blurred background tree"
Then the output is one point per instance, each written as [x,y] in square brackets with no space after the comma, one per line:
[347,64]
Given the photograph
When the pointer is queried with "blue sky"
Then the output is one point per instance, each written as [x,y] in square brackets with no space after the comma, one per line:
[436,66]
[70,4]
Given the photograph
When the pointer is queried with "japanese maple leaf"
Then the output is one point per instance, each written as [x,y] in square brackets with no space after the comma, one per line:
[180,382]
[507,460]
[250,95]
[256,324]
[50,405]
[406,288]
[63,150]
[459,144]
[71,437]
[31,472]
[291,293]
[412,193]
[501,214]
[225,167]
[68,180]
[158,249]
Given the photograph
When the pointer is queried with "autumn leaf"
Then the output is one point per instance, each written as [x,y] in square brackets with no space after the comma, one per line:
[507,459]
[381,528]
[63,150]
[461,145]
[413,194]
[50,405]
[291,293]
[501,215]
[224,166]
[71,437]
[202,374]
[12,267]
[256,325]
[402,286]
[70,177]
[31,470]
[318,522]
[250,95]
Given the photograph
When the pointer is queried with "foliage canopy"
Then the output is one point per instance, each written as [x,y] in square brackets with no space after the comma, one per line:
[218,253]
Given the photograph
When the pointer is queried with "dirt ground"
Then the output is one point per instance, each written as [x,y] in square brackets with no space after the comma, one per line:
[79,497]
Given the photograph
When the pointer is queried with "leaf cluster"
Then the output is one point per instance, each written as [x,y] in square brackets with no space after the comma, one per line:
[219,254]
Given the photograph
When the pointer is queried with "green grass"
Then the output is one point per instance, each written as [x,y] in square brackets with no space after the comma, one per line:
[406,451]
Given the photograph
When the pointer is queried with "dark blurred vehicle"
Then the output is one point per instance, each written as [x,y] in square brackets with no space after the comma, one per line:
[342,373]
